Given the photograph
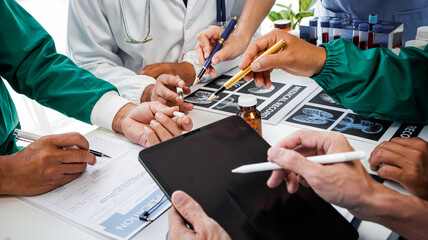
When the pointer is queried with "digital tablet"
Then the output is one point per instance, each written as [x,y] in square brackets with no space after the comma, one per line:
[200,163]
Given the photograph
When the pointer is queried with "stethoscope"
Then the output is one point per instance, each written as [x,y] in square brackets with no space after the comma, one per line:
[221,20]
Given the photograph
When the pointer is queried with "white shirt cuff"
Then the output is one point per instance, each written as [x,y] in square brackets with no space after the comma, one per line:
[106,109]
[135,89]
[191,58]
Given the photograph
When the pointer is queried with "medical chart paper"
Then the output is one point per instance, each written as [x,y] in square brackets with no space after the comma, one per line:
[109,196]
[273,103]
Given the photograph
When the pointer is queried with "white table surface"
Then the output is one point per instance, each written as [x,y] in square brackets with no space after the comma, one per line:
[21,220]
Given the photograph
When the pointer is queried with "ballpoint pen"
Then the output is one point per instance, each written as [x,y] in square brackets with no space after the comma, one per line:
[321,159]
[217,47]
[275,48]
[31,137]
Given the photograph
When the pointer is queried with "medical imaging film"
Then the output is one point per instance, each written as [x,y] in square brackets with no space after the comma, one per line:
[356,125]
[218,83]
[251,88]
[230,104]
[324,99]
[315,117]
[200,98]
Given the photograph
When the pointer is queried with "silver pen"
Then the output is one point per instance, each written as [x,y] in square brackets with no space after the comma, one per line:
[31,137]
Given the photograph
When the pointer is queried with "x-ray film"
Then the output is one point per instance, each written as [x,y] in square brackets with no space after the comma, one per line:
[321,112]
[274,103]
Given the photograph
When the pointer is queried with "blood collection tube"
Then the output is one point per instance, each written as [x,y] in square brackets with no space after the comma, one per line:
[377,32]
[313,37]
[356,33]
[337,25]
[325,25]
[372,22]
[363,28]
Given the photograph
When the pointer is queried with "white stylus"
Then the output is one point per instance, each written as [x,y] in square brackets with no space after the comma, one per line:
[322,159]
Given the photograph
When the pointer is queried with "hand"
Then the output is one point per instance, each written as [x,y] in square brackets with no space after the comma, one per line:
[150,123]
[44,165]
[204,226]
[344,184]
[233,47]
[184,69]
[298,57]
[165,91]
[404,160]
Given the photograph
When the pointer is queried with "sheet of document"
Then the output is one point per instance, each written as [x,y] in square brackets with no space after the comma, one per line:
[273,103]
[109,196]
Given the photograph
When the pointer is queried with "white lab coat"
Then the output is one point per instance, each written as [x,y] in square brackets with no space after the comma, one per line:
[96,38]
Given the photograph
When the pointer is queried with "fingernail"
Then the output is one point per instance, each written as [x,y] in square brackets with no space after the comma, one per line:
[153,123]
[159,116]
[214,61]
[206,54]
[256,66]
[189,107]
[146,129]
[186,121]
[181,84]
[177,99]
[178,199]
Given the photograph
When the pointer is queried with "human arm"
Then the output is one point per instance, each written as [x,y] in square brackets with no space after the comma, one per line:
[204,227]
[252,15]
[345,184]
[33,68]
[372,83]
[93,46]
[404,160]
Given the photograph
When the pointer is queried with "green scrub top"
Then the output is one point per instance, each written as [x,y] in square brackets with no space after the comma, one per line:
[376,82]
[31,65]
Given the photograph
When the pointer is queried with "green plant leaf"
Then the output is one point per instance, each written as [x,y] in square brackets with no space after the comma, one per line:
[305,5]
[273,16]
[281,5]
[285,14]
[304,14]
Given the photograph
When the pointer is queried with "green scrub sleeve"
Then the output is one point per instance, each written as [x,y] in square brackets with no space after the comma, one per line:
[376,82]
[31,65]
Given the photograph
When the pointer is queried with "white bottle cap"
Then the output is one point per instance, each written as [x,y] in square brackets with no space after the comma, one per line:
[422,33]
[247,100]
[416,43]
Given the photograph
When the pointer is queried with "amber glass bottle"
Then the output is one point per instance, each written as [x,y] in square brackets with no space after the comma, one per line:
[248,111]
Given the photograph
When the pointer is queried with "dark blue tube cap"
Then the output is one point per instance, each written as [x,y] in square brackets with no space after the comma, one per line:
[325,23]
[377,28]
[337,24]
[363,27]
[356,22]
[313,22]
[373,18]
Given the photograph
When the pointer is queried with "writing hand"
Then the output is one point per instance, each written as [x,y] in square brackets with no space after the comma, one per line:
[298,57]
[45,164]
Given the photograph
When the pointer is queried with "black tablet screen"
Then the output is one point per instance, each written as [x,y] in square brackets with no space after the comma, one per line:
[200,163]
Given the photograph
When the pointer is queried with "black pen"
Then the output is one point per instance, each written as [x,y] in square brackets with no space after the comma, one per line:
[217,47]
[31,137]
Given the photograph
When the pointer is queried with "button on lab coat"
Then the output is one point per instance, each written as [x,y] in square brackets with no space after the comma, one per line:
[96,37]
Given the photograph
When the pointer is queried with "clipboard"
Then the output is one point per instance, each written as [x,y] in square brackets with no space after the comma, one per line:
[200,163]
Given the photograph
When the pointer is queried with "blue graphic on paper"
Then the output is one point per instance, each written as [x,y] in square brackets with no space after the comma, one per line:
[123,225]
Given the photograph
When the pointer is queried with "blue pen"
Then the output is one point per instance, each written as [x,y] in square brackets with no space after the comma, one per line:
[217,47]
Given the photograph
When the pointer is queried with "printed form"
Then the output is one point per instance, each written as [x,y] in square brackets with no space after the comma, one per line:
[109,196]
